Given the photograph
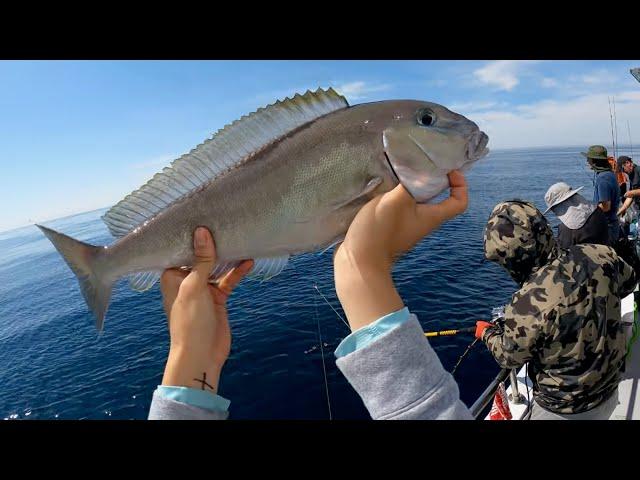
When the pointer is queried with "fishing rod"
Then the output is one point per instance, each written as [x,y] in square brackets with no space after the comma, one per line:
[613,140]
[497,314]
[615,122]
[444,333]
[630,142]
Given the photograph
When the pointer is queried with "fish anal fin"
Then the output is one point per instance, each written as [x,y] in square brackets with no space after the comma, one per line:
[143,281]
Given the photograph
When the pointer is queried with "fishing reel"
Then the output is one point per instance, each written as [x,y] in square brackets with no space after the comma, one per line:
[497,315]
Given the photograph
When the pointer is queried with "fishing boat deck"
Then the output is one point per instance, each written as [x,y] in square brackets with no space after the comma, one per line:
[628,407]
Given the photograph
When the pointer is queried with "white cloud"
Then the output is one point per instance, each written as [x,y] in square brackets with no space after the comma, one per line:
[475,106]
[501,74]
[597,78]
[548,82]
[582,120]
[360,89]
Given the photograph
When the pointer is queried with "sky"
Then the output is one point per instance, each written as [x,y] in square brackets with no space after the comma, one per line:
[80,135]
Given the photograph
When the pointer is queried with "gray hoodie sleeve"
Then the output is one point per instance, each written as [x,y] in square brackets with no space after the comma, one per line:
[400,377]
[165,409]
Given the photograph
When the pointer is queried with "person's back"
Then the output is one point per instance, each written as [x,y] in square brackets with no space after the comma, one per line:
[594,230]
[564,321]
[606,192]
[606,189]
[580,220]
[577,326]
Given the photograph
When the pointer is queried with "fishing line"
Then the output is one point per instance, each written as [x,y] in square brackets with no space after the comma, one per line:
[324,368]
[325,299]
[466,352]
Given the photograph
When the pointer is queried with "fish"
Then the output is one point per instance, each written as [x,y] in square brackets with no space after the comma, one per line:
[284,180]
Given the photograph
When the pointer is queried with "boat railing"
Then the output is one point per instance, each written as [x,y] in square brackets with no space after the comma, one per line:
[478,409]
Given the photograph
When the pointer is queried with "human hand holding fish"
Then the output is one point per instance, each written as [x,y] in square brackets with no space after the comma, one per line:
[383,229]
[198,319]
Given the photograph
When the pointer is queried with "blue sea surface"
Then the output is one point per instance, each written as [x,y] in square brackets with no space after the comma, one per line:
[53,363]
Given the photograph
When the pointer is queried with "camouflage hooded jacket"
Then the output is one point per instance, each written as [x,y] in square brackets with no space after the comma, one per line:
[565,319]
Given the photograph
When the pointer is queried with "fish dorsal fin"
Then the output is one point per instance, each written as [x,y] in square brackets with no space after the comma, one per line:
[225,150]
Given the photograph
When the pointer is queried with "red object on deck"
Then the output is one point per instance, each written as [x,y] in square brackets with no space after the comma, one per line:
[500,408]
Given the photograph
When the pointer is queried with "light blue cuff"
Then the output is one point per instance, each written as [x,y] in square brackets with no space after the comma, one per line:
[195,397]
[364,336]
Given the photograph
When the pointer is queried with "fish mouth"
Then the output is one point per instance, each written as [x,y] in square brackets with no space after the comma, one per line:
[476,147]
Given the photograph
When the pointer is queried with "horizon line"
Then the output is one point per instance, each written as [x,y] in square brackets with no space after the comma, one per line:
[25,225]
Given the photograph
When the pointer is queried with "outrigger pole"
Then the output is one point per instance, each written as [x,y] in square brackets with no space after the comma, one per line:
[613,139]
[615,124]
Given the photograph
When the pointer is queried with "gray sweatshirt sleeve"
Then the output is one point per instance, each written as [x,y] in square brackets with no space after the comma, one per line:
[400,377]
[165,409]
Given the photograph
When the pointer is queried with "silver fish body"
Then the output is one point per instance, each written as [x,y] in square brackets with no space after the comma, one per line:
[296,194]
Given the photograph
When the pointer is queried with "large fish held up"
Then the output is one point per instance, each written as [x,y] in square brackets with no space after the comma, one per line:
[284,180]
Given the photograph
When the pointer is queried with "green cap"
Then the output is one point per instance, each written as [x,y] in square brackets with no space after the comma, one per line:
[597,152]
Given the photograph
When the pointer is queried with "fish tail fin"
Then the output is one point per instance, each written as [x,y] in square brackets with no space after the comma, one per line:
[82,258]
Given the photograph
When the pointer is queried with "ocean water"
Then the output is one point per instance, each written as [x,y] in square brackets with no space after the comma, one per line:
[53,364]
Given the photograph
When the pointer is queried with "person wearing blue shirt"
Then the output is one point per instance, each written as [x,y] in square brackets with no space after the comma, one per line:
[386,358]
[606,194]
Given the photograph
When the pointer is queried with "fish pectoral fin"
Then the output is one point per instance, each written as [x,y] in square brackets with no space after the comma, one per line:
[333,244]
[143,281]
[266,268]
[368,188]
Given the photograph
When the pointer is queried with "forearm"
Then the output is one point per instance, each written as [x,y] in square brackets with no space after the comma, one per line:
[188,390]
[187,368]
[365,289]
[506,352]
[627,203]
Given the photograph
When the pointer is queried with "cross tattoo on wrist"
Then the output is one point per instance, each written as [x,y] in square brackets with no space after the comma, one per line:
[203,381]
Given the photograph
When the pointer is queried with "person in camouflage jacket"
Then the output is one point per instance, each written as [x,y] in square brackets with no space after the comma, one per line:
[565,318]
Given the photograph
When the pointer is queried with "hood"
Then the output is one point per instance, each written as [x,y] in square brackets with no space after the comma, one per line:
[519,238]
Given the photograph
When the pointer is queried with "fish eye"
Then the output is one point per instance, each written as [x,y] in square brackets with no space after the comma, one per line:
[426,118]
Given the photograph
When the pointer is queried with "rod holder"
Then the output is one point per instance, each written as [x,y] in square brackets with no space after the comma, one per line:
[515,396]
